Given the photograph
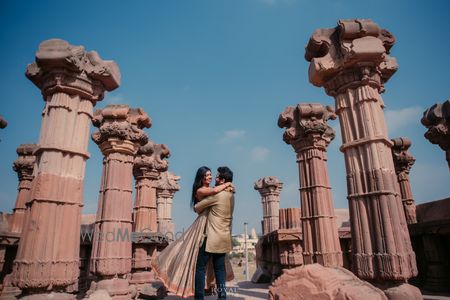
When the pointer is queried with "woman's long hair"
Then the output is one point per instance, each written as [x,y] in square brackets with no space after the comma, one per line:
[198,182]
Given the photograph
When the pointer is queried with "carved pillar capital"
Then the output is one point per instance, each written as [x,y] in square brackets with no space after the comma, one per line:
[352,54]
[437,120]
[403,160]
[120,129]
[269,186]
[151,160]
[61,67]
[24,164]
[306,126]
[167,184]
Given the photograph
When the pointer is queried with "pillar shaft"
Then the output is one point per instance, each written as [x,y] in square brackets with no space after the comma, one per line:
[164,210]
[119,136]
[111,250]
[166,188]
[24,166]
[269,188]
[353,67]
[48,253]
[403,161]
[145,215]
[309,134]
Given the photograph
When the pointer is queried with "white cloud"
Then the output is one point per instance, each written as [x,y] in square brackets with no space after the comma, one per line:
[259,153]
[401,118]
[231,135]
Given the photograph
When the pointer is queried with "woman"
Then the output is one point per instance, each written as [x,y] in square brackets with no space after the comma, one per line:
[175,265]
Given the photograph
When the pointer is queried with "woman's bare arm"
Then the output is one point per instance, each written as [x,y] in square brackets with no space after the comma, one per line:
[204,192]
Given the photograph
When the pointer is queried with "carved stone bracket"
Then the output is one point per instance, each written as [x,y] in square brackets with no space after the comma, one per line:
[122,123]
[151,160]
[437,120]
[306,125]
[61,67]
[355,51]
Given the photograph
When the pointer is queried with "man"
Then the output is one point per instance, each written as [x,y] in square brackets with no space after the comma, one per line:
[218,235]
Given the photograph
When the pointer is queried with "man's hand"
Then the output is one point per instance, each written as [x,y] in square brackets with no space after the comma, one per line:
[230,188]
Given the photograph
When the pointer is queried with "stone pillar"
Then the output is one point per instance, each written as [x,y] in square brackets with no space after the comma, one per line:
[436,120]
[148,165]
[309,134]
[119,136]
[71,80]
[403,161]
[24,166]
[352,63]
[269,188]
[165,190]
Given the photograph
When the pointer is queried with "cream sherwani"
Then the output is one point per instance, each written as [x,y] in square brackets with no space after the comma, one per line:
[218,225]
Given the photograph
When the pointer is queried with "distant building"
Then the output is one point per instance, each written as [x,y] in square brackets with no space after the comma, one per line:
[251,242]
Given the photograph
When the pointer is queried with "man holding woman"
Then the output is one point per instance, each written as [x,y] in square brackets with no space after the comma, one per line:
[182,265]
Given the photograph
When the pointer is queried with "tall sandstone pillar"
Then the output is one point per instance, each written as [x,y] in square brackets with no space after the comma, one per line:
[24,166]
[352,63]
[71,81]
[149,163]
[309,134]
[436,119]
[403,161]
[165,190]
[119,136]
[269,188]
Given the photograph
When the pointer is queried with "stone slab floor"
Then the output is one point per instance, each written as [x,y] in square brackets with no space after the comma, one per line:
[246,290]
[239,291]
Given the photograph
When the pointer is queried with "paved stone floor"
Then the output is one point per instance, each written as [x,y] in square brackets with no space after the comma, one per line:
[246,290]
[242,290]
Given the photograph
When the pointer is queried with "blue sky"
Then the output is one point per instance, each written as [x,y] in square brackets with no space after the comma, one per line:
[214,76]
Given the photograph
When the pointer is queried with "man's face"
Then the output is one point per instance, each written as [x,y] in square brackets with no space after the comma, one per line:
[219,181]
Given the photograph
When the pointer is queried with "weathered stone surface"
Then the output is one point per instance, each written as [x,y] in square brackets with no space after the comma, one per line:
[155,290]
[308,132]
[314,281]
[269,188]
[119,137]
[99,295]
[436,120]
[401,291]
[71,81]
[403,161]
[352,63]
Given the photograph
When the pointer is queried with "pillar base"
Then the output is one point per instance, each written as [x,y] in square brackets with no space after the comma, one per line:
[117,288]
[9,292]
[400,291]
[143,277]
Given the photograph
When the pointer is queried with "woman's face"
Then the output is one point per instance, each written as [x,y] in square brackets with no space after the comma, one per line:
[207,178]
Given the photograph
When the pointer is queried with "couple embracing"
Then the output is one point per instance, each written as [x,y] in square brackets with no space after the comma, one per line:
[202,248]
